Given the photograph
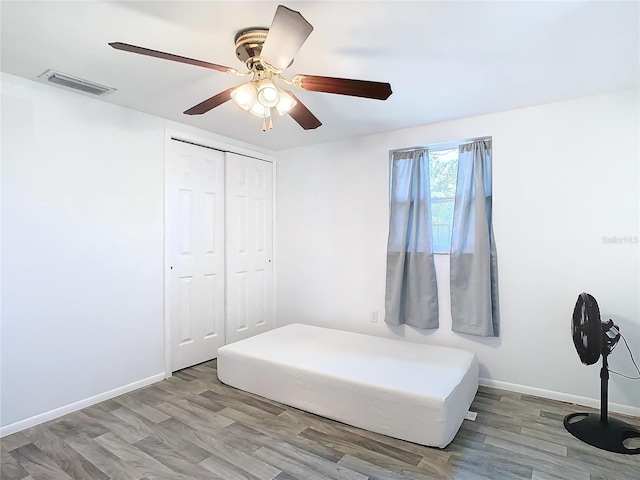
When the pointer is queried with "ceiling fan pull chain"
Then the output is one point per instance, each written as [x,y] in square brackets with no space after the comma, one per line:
[270,123]
[264,124]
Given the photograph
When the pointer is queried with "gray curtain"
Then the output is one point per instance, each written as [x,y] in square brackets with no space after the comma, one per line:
[474,264]
[411,293]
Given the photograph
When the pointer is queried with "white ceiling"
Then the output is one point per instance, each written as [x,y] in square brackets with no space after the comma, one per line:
[444,60]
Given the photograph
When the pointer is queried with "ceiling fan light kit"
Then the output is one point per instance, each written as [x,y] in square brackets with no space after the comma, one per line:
[267,53]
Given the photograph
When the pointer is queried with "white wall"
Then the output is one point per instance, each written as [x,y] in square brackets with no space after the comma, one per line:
[565,176]
[82,242]
[82,250]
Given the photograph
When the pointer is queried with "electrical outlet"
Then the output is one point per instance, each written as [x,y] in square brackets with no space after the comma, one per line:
[374,316]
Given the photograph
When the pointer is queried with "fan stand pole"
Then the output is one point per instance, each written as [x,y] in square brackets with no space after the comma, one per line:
[600,430]
[604,390]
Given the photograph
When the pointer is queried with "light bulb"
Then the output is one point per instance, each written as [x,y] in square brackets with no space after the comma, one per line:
[245,95]
[268,94]
[286,103]
[260,110]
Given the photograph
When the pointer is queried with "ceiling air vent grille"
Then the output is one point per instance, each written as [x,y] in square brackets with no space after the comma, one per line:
[69,81]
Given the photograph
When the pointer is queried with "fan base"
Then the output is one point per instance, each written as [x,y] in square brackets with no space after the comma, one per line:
[249,43]
[606,436]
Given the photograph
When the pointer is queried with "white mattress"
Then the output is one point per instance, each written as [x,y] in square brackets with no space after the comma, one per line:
[405,390]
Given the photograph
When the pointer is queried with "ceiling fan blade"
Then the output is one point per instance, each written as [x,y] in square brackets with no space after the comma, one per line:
[169,56]
[344,86]
[210,103]
[303,116]
[288,31]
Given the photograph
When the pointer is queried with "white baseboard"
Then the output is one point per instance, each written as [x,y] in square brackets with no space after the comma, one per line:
[562,397]
[79,405]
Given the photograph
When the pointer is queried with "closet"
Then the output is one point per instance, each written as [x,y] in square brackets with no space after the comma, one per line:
[219,250]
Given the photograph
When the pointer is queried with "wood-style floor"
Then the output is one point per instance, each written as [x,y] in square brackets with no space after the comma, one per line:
[193,427]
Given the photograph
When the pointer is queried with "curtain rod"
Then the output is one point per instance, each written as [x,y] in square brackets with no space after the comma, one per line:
[440,145]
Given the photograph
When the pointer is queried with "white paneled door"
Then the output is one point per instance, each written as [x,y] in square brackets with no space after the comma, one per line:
[195,252]
[249,229]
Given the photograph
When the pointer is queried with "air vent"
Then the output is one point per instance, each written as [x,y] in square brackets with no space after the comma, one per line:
[69,81]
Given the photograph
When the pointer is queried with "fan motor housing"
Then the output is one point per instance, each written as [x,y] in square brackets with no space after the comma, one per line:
[249,43]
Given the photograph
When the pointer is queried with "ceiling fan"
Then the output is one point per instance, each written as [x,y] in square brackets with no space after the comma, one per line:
[266,54]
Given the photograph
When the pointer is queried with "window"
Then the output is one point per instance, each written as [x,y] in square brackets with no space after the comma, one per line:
[429,186]
[443,169]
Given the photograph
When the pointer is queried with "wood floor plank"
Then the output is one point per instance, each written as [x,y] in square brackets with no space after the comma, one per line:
[496,419]
[143,464]
[104,460]
[184,407]
[108,405]
[141,408]
[206,402]
[180,388]
[540,475]
[188,418]
[164,435]
[469,443]
[174,460]
[504,468]
[229,396]
[226,393]
[79,423]
[243,438]
[331,470]
[286,476]
[226,470]
[602,463]
[114,424]
[287,464]
[226,450]
[330,427]
[11,442]
[70,461]
[220,391]
[375,446]
[259,420]
[378,458]
[374,472]
[152,395]
[545,462]
[10,469]
[318,449]
[520,439]
[37,463]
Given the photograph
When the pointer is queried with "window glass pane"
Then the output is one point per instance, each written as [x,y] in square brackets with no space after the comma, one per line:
[442,220]
[443,169]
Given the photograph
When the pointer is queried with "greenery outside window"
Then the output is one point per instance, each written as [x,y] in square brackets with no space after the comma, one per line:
[443,170]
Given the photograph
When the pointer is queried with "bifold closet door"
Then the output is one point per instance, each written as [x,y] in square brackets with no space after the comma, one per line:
[195,243]
[249,230]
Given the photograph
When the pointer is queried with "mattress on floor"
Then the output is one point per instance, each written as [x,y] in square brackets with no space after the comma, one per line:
[411,391]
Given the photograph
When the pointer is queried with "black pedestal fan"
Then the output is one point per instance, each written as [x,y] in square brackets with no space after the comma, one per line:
[592,338]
